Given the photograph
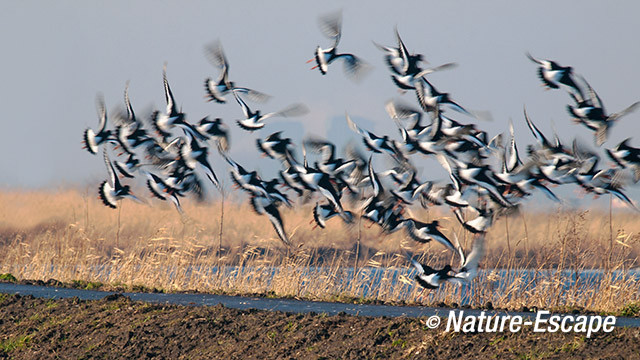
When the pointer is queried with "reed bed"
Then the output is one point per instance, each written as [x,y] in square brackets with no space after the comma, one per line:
[558,259]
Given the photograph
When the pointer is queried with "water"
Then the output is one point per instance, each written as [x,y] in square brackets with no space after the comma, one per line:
[370,279]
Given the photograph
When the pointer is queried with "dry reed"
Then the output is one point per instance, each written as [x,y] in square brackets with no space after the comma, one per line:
[68,235]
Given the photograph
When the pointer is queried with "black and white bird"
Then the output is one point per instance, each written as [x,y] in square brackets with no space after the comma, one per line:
[217,89]
[331,27]
[425,232]
[401,112]
[214,129]
[330,163]
[271,187]
[163,122]
[430,98]
[316,180]
[128,168]
[410,190]
[430,278]
[373,142]
[264,206]
[592,114]
[626,156]
[111,190]
[253,120]
[193,154]
[160,189]
[553,75]
[469,265]
[275,146]
[91,140]
[324,212]
[408,81]
[399,60]
[248,181]
[380,208]
[130,131]
[479,224]
[453,194]
[548,150]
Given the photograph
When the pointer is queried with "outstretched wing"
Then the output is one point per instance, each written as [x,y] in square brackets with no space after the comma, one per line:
[331,25]
[113,179]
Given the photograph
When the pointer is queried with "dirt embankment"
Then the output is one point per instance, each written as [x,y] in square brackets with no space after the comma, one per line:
[116,327]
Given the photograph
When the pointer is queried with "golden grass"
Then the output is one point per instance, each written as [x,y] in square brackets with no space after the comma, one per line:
[69,235]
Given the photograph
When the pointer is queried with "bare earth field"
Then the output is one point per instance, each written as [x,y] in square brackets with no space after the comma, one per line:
[116,327]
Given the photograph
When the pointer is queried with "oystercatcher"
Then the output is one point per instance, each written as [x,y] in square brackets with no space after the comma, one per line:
[331,26]
[218,89]
[163,122]
[553,75]
[425,232]
[163,191]
[265,206]
[373,142]
[430,99]
[408,81]
[398,58]
[592,114]
[193,153]
[214,129]
[254,120]
[469,265]
[626,156]
[430,278]
[324,212]
[112,190]
[276,147]
[91,139]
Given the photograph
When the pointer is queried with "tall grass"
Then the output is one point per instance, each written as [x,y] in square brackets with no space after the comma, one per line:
[69,235]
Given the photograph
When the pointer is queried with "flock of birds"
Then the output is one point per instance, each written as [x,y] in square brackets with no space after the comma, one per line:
[488,178]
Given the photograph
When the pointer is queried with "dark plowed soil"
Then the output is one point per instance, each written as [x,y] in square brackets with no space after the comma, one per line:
[116,327]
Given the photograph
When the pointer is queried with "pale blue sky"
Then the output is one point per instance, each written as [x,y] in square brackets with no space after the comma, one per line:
[57,55]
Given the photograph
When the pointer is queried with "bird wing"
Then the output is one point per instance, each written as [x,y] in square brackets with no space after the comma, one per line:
[331,25]
[375,181]
[534,130]
[435,68]
[447,166]
[276,220]
[297,109]
[463,258]
[477,252]
[403,52]
[354,67]
[534,59]
[215,54]
[418,266]
[593,96]
[102,112]
[625,111]
[113,179]
[243,105]
[171,106]
[127,101]
[513,160]
[355,127]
